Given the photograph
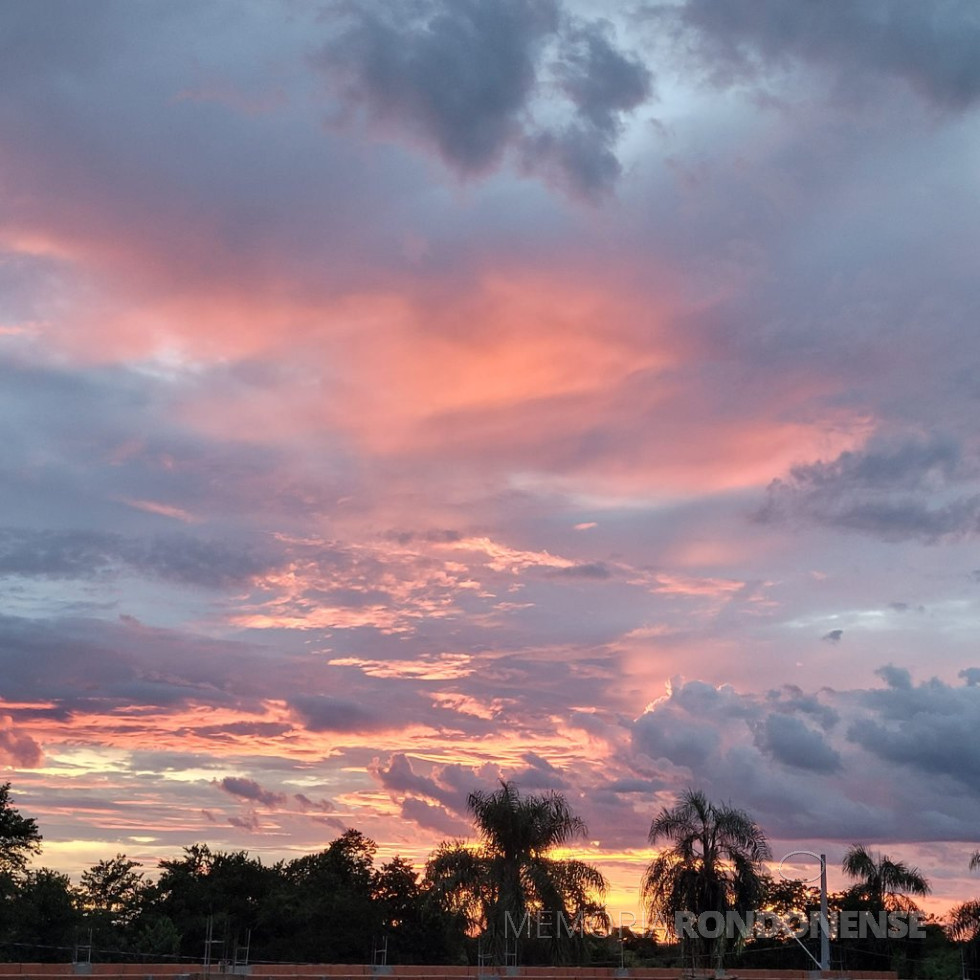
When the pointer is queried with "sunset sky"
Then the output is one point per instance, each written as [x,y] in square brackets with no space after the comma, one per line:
[401,396]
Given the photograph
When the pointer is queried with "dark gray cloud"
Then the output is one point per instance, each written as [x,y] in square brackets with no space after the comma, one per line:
[436,801]
[683,741]
[198,561]
[897,520]
[793,698]
[631,786]
[249,789]
[322,713]
[603,84]
[904,607]
[93,665]
[56,554]
[305,803]
[909,465]
[433,535]
[74,553]
[598,78]
[834,636]
[897,678]
[401,778]
[463,75]
[930,46]
[803,781]
[431,816]
[238,729]
[540,774]
[461,72]
[701,698]
[795,744]
[891,490]
[249,821]
[928,727]
[590,569]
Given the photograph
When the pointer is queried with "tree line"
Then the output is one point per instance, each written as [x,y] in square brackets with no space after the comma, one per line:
[508,898]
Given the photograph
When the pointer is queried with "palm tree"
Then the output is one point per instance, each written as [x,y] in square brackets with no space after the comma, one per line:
[883,884]
[964,919]
[508,885]
[712,863]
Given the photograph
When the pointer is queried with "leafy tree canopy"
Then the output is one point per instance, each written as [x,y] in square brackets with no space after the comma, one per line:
[19,836]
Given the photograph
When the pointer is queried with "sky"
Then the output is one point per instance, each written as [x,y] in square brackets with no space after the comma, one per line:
[397,397]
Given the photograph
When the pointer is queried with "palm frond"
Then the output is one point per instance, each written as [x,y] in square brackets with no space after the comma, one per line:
[964,921]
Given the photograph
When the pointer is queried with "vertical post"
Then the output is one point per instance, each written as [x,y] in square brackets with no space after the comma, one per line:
[824,920]
[207,946]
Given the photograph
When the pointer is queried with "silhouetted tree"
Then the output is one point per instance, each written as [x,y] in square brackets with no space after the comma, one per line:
[230,888]
[509,883]
[964,919]
[42,917]
[712,862]
[882,883]
[114,889]
[324,911]
[19,836]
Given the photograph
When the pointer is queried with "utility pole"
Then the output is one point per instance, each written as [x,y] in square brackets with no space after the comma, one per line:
[824,962]
[824,920]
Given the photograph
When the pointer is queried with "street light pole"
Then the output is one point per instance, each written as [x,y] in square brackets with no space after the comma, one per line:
[824,921]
